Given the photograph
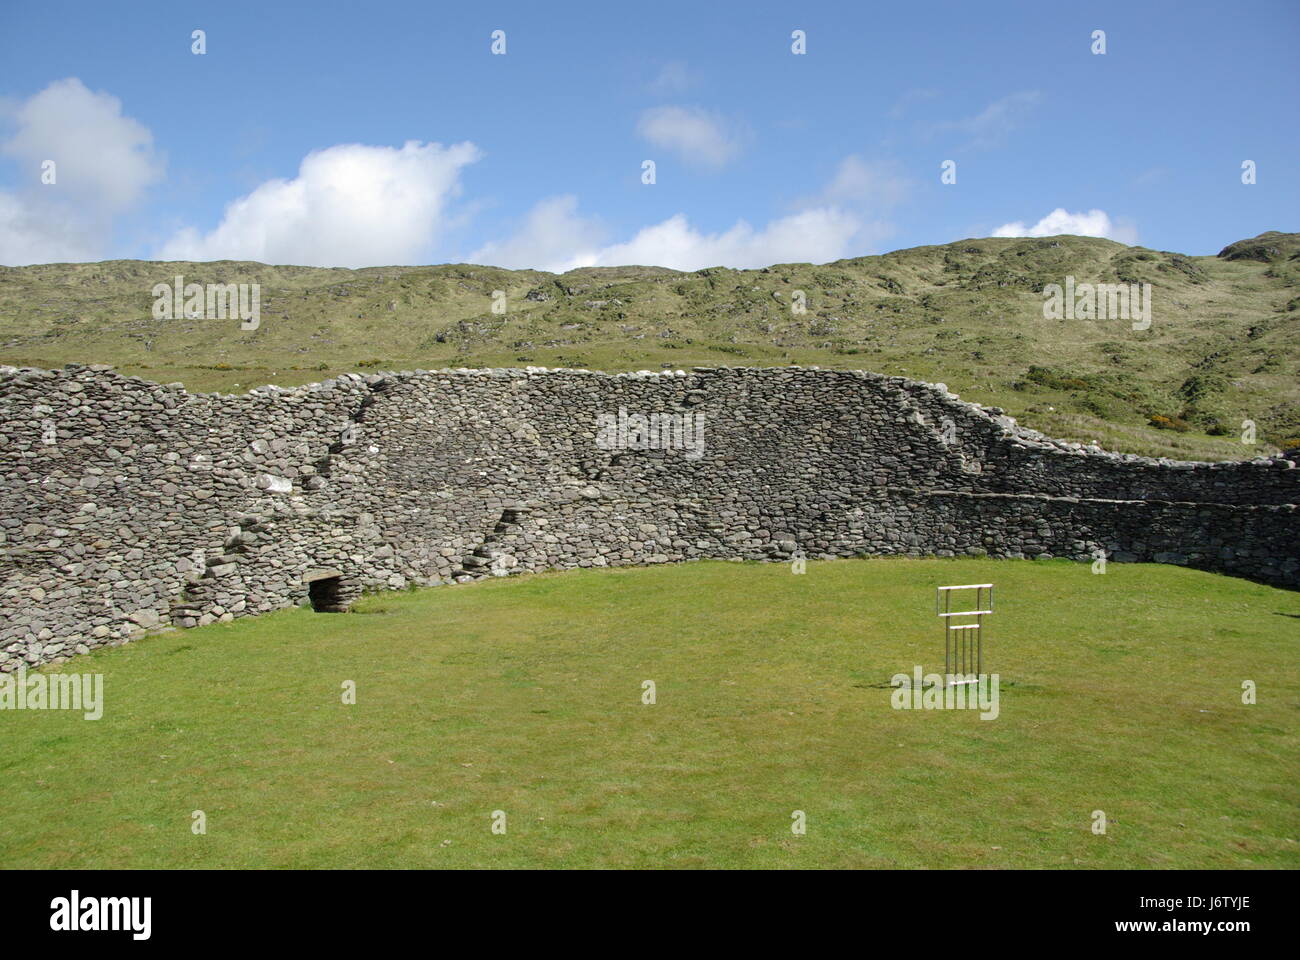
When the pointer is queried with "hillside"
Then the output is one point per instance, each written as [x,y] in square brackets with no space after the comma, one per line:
[1223,345]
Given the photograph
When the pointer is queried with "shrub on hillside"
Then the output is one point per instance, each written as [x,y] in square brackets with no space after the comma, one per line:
[1170,423]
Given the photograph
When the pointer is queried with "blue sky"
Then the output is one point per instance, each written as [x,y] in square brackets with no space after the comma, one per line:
[355,134]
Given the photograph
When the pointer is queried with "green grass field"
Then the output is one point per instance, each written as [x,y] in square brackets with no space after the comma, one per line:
[1120,693]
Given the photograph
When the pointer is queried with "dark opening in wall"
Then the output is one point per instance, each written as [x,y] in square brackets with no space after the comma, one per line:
[326,596]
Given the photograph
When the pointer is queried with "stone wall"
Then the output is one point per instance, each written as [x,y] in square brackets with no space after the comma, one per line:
[126,505]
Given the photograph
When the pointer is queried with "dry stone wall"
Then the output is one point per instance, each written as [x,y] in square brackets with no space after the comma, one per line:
[127,506]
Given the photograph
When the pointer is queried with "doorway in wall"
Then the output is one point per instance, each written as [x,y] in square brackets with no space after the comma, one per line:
[326,595]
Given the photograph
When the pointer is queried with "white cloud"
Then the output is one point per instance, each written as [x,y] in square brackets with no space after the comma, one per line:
[101,156]
[103,162]
[1094,223]
[674,78]
[32,232]
[350,205]
[841,220]
[696,135]
[914,96]
[357,205]
[859,184]
[554,237]
[815,235]
[992,124]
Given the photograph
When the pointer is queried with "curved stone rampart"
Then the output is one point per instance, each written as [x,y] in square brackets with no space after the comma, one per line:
[125,504]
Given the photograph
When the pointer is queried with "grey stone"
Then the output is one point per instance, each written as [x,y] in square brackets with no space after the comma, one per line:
[463,475]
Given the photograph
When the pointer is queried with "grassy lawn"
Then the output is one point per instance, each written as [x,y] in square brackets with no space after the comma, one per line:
[1119,693]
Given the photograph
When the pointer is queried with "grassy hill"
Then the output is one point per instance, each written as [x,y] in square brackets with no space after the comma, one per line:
[1223,346]
[772,694]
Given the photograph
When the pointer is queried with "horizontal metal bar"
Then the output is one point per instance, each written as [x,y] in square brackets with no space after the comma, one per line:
[965,613]
[968,586]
